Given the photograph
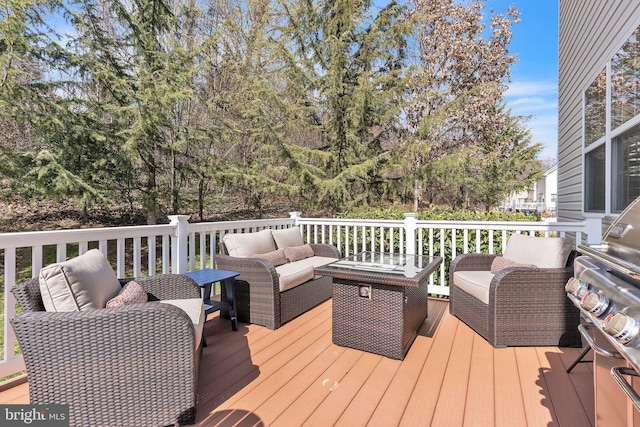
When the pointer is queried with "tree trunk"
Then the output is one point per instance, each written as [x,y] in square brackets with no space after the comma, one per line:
[151,195]
[201,198]
[174,183]
[416,194]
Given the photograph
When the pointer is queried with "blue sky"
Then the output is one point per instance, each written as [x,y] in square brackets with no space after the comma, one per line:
[534,87]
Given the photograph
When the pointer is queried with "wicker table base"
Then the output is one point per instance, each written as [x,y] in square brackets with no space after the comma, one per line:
[378,312]
[384,324]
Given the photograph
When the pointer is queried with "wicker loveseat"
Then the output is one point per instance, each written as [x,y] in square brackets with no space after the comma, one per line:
[131,365]
[271,293]
[523,303]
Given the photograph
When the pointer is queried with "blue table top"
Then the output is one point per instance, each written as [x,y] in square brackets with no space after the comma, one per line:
[210,275]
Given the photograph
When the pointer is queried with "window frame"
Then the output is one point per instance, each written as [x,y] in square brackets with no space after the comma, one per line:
[610,136]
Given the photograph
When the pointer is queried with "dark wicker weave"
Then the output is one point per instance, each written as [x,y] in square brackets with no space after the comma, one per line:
[527,306]
[388,322]
[257,289]
[384,324]
[135,365]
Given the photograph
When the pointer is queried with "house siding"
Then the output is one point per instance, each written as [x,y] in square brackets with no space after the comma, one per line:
[590,33]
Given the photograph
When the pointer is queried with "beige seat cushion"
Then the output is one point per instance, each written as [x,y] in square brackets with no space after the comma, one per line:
[292,275]
[83,283]
[287,237]
[475,283]
[296,273]
[543,252]
[316,261]
[245,244]
[194,308]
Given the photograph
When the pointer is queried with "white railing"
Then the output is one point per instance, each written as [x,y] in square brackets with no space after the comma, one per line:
[123,246]
[180,246]
[435,238]
[203,238]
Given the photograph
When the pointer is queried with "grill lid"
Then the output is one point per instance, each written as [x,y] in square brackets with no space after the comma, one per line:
[620,247]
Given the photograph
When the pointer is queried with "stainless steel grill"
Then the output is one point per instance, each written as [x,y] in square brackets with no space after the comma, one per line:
[606,289]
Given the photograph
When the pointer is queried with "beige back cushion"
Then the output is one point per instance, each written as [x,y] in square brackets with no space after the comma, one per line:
[287,237]
[82,283]
[245,244]
[543,252]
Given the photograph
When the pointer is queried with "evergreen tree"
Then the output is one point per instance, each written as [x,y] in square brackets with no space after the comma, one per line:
[141,75]
[346,65]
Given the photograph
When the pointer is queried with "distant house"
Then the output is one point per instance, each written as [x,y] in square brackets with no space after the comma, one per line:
[541,198]
[548,191]
[599,108]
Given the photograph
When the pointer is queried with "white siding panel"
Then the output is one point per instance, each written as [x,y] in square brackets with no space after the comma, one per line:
[590,32]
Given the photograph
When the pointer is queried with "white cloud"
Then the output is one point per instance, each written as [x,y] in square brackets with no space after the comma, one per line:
[532,88]
[544,129]
[539,100]
[527,105]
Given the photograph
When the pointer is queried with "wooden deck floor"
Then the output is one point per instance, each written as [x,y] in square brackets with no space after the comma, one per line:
[295,376]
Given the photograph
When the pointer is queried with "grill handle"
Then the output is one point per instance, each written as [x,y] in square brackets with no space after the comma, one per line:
[584,331]
[617,373]
[617,264]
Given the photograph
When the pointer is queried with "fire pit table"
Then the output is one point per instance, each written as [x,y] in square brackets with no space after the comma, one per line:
[379,300]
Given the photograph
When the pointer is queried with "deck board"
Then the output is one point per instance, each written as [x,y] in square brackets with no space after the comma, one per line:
[479,402]
[451,376]
[532,385]
[422,402]
[450,407]
[300,409]
[15,395]
[336,403]
[509,404]
[391,408]
[368,399]
[581,378]
[561,395]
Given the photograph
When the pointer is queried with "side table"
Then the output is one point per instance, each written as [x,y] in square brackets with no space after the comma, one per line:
[205,278]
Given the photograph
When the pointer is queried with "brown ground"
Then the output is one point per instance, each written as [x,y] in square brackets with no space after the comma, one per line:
[51,215]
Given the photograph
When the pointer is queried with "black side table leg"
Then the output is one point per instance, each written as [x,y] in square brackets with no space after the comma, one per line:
[206,295]
[228,284]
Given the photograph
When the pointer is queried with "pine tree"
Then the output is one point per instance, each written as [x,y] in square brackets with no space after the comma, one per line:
[347,68]
[140,76]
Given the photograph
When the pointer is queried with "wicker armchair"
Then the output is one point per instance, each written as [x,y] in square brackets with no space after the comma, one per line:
[527,306]
[257,293]
[127,366]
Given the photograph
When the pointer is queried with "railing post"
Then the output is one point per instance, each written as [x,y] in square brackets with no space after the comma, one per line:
[295,216]
[593,229]
[410,226]
[179,243]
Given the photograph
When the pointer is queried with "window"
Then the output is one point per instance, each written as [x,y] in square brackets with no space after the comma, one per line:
[595,112]
[611,114]
[626,154]
[625,81]
[594,195]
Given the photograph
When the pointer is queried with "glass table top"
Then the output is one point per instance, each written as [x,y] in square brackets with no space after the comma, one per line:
[383,263]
